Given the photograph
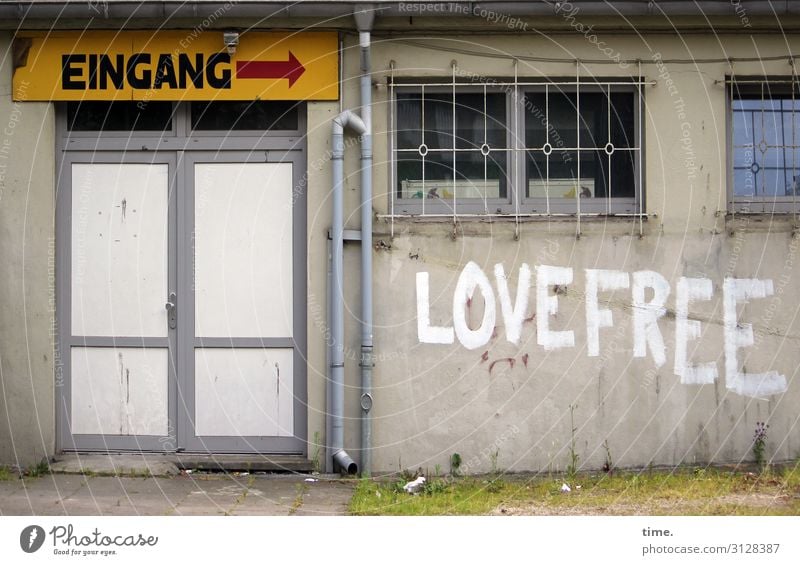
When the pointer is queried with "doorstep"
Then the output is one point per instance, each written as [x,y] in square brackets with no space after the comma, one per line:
[161,465]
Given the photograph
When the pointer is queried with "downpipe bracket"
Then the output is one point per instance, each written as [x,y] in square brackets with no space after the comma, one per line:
[366,402]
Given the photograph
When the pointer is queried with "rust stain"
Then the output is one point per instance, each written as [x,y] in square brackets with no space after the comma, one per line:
[529,319]
[485,356]
[525,360]
[509,360]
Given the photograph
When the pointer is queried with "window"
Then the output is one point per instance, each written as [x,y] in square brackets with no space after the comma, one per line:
[119,116]
[242,116]
[765,126]
[516,148]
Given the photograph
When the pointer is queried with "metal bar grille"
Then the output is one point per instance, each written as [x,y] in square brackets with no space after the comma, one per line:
[764,176]
[502,184]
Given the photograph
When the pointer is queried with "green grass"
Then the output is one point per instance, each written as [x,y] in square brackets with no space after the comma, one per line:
[43,468]
[679,492]
[5,474]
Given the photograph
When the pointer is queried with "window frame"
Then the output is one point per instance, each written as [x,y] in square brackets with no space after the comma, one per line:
[756,204]
[518,203]
[440,206]
[182,136]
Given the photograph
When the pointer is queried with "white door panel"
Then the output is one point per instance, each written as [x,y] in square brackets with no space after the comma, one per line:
[119,391]
[244,392]
[243,250]
[119,249]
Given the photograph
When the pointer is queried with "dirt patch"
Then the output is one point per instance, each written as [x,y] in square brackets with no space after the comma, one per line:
[745,503]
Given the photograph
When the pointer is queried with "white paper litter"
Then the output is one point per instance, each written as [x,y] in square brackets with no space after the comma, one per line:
[414,486]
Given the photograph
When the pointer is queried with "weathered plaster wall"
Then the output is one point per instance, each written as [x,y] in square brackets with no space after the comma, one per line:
[433,400]
[27,428]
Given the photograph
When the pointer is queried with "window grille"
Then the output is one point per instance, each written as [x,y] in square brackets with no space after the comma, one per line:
[515,148]
[765,144]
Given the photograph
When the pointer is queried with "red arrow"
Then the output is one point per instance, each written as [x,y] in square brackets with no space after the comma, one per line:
[291,69]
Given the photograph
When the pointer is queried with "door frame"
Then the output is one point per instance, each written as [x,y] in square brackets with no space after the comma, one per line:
[174,144]
[188,342]
[65,339]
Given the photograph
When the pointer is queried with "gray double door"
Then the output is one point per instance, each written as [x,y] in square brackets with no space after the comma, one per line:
[181,302]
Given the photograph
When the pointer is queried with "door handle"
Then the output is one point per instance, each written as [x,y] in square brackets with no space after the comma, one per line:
[172,311]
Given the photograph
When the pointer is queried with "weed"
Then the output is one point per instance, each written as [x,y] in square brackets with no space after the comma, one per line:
[301,489]
[572,466]
[455,464]
[5,474]
[436,486]
[760,444]
[495,485]
[608,466]
[678,491]
[493,458]
[437,470]
[315,459]
[406,476]
[43,468]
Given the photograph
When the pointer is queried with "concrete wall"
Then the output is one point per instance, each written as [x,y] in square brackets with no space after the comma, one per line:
[514,406]
[433,400]
[27,252]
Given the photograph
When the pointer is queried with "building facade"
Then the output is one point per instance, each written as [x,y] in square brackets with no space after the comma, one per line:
[583,231]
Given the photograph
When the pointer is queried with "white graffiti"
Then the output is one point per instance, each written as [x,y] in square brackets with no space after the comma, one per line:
[551,281]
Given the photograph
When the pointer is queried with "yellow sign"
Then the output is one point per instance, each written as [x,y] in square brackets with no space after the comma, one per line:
[176,65]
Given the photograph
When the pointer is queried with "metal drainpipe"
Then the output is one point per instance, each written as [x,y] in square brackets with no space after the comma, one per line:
[367,355]
[341,459]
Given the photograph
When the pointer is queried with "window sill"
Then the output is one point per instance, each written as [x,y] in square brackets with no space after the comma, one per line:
[522,217]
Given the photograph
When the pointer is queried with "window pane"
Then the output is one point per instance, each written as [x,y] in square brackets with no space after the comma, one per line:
[595,167]
[409,175]
[623,174]
[743,157]
[594,119]
[537,174]
[476,125]
[481,177]
[765,129]
[256,115]
[563,171]
[742,128]
[435,168]
[438,121]
[622,119]
[562,117]
[535,119]
[770,182]
[744,182]
[470,182]
[119,116]
[409,121]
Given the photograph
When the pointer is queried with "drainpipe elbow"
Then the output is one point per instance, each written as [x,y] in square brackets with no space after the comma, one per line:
[345,463]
